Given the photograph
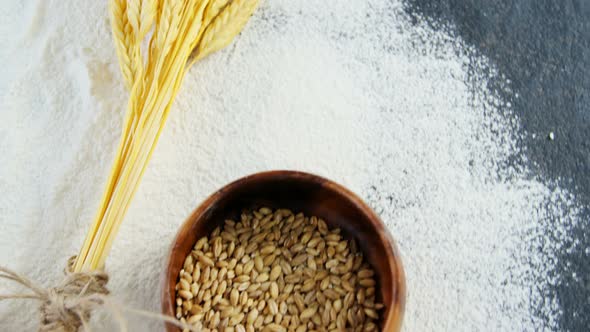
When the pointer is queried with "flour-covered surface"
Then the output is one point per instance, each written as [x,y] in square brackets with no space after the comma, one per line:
[543,47]
[354,91]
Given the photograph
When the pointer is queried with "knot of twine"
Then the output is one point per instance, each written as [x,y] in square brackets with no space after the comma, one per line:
[67,307]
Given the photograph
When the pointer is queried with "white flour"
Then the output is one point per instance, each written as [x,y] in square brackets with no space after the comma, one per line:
[348,90]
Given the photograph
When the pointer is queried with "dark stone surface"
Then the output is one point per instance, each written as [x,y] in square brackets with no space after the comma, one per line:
[543,47]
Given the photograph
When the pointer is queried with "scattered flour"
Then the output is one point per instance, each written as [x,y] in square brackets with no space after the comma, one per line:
[352,91]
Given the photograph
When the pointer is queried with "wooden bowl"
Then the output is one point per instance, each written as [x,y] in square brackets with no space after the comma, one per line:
[300,192]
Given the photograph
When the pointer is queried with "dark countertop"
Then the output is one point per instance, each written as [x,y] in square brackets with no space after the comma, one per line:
[543,47]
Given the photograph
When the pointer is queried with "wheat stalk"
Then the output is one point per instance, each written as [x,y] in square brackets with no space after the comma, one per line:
[122,34]
[182,28]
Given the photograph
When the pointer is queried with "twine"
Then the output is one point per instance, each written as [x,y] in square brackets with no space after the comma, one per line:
[67,307]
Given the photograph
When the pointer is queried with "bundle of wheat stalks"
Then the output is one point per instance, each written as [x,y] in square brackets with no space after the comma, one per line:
[156,41]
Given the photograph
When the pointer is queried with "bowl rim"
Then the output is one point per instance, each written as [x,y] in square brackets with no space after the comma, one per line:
[394,319]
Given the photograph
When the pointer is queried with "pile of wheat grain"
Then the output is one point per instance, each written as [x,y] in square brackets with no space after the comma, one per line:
[277,272]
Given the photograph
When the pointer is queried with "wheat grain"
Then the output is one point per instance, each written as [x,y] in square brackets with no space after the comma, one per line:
[261,290]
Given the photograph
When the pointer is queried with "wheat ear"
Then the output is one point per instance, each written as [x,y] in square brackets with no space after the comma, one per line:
[147,16]
[225,26]
[211,11]
[167,29]
[141,14]
[120,27]
[213,8]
